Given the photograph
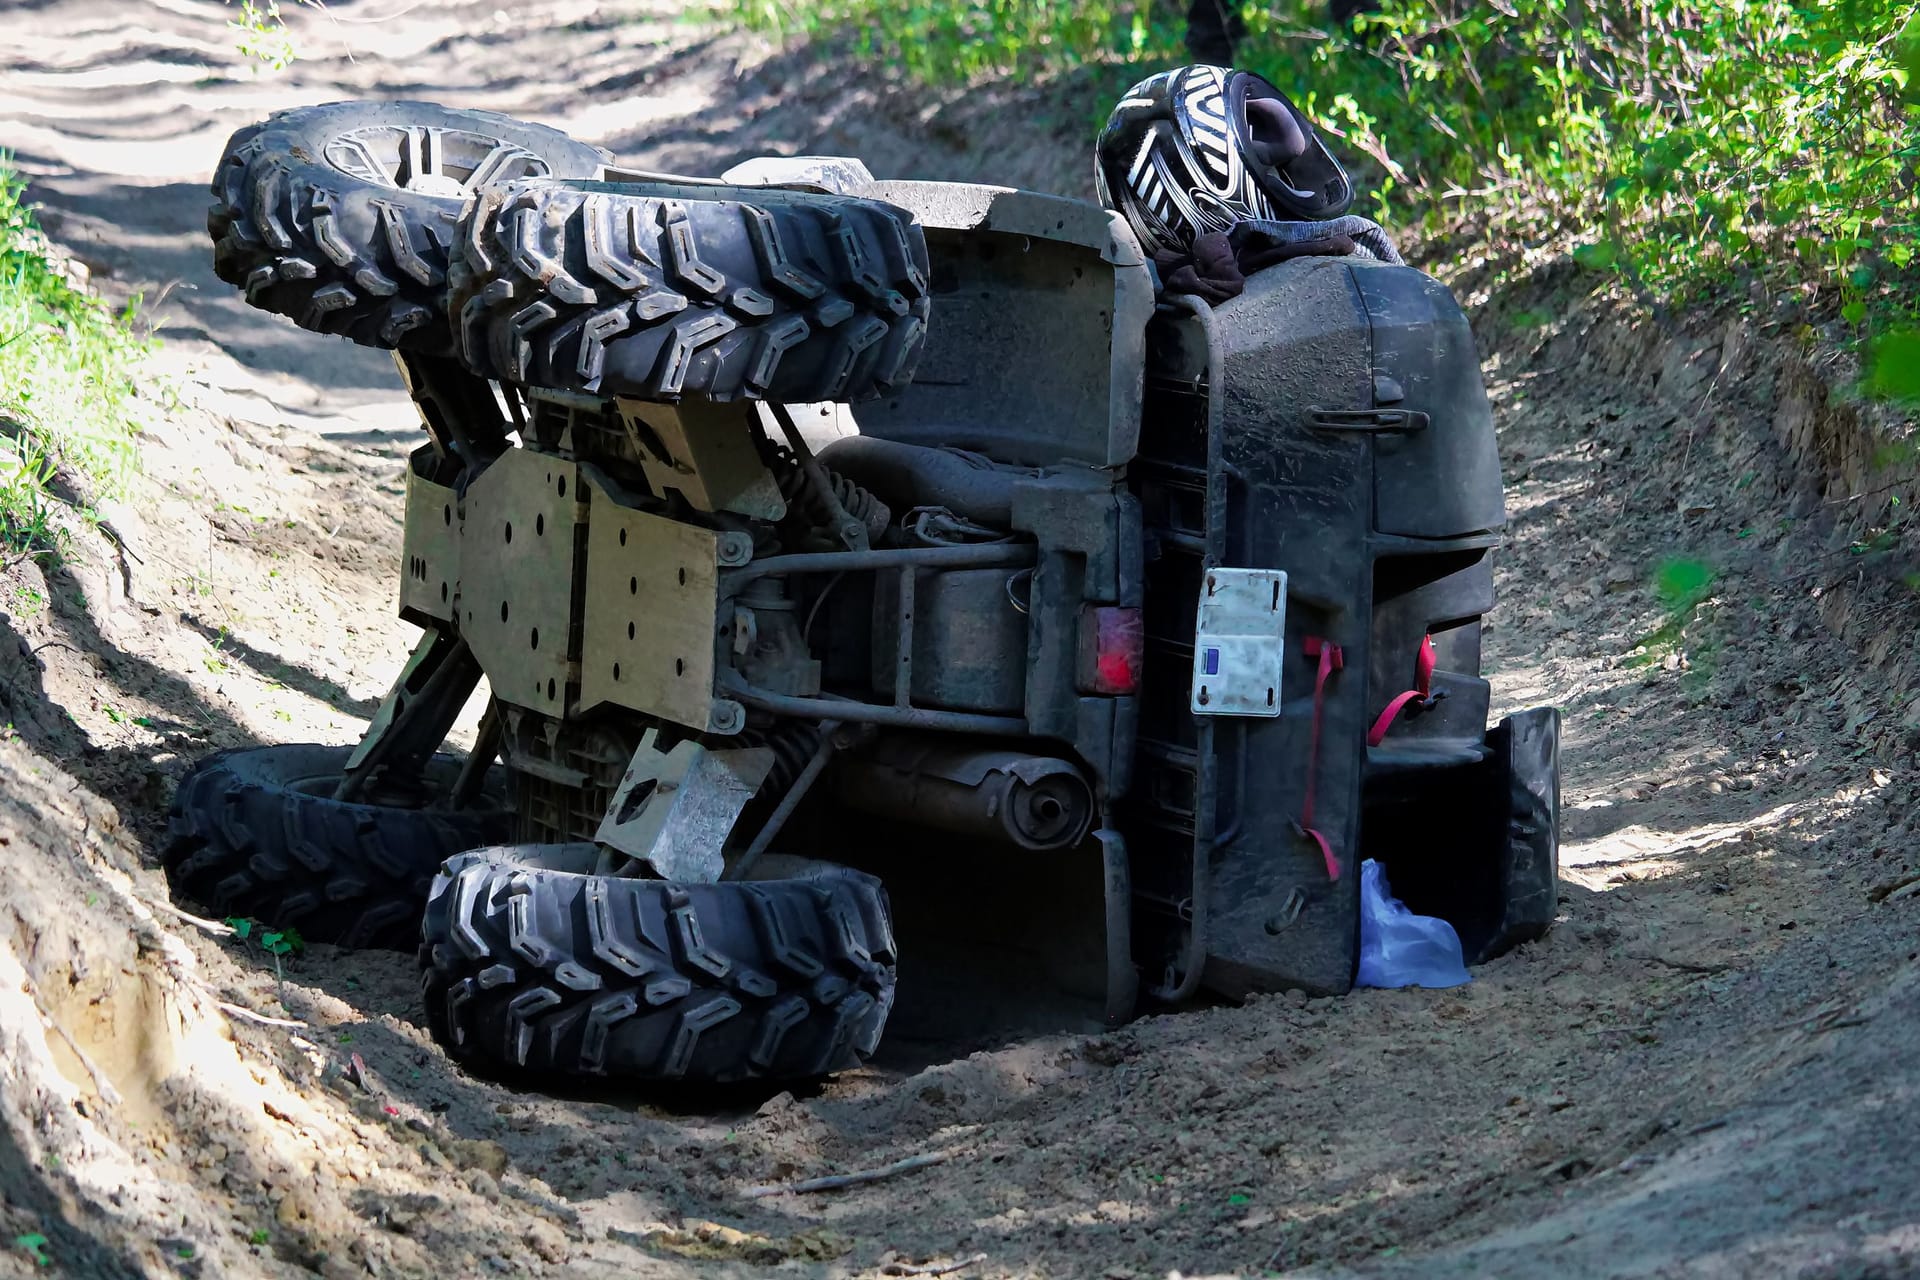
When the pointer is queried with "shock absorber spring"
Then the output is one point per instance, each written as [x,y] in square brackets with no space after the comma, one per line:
[854,500]
[792,742]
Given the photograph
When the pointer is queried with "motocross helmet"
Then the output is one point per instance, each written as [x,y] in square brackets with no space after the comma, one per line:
[1199,148]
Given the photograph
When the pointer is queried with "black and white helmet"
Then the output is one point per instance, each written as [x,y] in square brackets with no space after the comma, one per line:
[1199,148]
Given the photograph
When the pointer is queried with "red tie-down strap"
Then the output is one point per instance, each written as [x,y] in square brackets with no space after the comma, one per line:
[1331,660]
[1422,693]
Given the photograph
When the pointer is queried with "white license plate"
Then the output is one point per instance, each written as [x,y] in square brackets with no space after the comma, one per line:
[1240,642]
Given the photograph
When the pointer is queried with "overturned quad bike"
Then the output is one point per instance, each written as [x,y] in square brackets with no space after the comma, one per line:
[1182,601]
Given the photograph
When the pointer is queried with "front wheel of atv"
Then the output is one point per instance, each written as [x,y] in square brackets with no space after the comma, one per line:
[339,216]
[258,833]
[532,965]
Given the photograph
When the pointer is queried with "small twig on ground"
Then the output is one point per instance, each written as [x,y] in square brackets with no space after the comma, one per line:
[1902,887]
[839,1180]
[199,922]
[932,1268]
[1684,966]
[101,1085]
[241,1011]
[1826,1019]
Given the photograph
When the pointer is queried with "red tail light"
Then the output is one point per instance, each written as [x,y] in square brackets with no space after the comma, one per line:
[1112,645]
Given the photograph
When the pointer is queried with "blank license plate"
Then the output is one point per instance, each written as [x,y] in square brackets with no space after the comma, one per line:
[1240,642]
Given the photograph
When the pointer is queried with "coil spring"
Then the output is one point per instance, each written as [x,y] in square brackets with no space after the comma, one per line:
[792,742]
[857,502]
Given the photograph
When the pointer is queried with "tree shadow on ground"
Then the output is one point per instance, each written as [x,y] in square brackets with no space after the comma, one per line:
[33,1205]
[270,666]
[153,239]
[133,777]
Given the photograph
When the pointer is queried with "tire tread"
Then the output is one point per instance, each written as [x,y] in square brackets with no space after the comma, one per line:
[243,842]
[656,297]
[335,253]
[650,981]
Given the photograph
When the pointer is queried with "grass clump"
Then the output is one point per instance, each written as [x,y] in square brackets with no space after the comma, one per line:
[67,391]
[1675,144]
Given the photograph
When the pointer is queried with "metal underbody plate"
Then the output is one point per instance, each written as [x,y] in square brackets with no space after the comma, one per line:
[675,809]
[515,592]
[704,451]
[431,544]
[652,600]
[1240,643]
[502,563]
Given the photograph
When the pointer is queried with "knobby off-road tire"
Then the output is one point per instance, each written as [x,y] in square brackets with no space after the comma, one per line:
[258,833]
[339,216]
[658,291]
[531,966]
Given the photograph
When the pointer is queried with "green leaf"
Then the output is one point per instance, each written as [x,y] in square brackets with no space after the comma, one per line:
[242,927]
[1681,582]
[1854,312]
[1906,56]
[35,1244]
[1596,257]
[1893,367]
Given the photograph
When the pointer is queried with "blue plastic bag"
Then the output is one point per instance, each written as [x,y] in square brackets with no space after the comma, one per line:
[1399,948]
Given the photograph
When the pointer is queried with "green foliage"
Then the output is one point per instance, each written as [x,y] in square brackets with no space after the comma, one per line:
[282,942]
[36,1246]
[1893,367]
[1681,582]
[953,41]
[1683,142]
[275,942]
[66,381]
[260,33]
[1682,585]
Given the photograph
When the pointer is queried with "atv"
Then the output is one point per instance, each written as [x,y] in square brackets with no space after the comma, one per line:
[1183,601]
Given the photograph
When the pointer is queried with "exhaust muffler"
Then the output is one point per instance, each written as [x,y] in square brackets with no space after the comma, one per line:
[1032,802]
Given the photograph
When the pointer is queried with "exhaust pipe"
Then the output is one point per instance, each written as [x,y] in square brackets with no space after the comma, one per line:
[1032,802]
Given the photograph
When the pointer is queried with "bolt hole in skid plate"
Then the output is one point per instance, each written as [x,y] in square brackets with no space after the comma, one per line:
[1240,643]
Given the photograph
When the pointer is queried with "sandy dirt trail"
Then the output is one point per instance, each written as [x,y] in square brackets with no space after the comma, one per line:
[1708,1069]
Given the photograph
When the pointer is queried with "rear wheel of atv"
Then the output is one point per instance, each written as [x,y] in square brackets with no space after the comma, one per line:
[659,291]
[258,833]
[339,216]
[530,965]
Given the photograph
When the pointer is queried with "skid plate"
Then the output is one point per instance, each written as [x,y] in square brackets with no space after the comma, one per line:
[431,544]
[515,591]
[652,600]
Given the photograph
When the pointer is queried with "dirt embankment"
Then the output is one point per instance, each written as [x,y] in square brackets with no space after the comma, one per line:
[1704,1071]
